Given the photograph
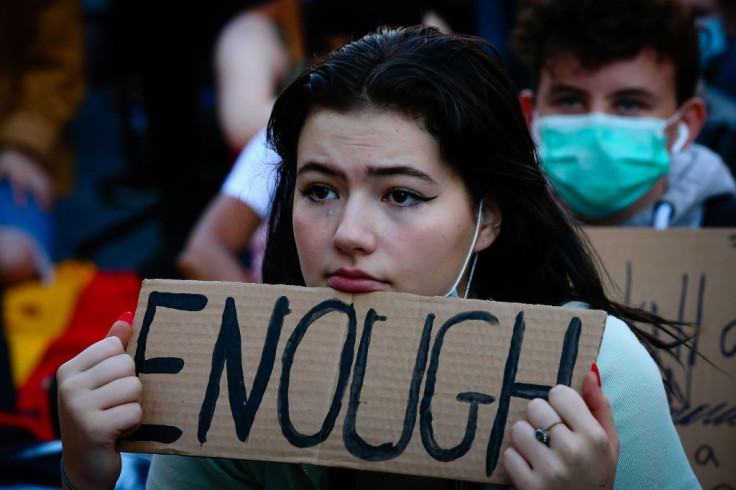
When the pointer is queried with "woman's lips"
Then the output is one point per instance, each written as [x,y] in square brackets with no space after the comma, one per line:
[354,282]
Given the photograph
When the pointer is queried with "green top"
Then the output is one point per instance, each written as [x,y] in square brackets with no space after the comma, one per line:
[189,472]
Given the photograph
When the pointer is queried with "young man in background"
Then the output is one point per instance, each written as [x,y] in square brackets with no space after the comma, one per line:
[615,112]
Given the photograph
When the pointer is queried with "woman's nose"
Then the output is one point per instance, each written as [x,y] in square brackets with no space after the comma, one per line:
[355,231]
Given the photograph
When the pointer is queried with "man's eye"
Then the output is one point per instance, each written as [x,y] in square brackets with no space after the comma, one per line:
[629,106]
[569,103]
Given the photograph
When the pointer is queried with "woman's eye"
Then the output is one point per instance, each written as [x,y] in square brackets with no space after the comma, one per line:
[319,193]
[402,197]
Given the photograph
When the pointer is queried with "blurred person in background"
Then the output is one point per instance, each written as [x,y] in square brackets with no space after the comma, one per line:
[616,116]
[716,21]
[42,82]
[174,154]
[256,54]
[262,48]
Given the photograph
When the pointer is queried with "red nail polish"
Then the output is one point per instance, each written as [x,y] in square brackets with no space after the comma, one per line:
[594,368]
[126,317]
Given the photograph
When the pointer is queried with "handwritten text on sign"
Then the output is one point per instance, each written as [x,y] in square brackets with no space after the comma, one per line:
[688,275]
[386,382]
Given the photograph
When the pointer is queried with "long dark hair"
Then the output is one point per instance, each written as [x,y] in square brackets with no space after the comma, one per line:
[453,86]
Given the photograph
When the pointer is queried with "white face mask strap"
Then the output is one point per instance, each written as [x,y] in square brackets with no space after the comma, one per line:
[469,255]
[674,117]
[470,276]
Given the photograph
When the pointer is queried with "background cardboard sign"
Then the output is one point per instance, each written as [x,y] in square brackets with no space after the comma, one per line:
[381,381]
[688,275]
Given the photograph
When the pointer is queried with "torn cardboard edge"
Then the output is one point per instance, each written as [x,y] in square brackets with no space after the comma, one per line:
[388,382]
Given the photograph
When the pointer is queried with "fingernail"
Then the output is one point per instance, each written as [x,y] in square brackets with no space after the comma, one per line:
[126,317]
[594,368]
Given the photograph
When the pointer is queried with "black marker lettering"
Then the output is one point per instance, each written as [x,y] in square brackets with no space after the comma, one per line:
[727,416]
[228,350]
[569,352]
[705,454]
[728,348]
[346,361]
[355,444]
[160,433]
[176,301]
[526,390]
[162,365]
[425,410]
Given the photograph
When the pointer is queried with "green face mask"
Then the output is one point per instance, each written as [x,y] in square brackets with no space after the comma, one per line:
[601,164]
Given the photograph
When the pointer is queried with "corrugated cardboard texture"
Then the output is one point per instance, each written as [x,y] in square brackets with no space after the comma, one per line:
[313,404]
[688,275]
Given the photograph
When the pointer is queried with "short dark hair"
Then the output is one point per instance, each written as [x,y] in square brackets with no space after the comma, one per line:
[456,90]
[598,32]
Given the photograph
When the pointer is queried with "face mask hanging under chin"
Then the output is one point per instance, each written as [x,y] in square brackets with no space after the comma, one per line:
[452,293]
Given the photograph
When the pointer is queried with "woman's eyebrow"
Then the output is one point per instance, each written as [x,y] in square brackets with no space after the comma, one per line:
[371,172]
[398,170]
[321,168]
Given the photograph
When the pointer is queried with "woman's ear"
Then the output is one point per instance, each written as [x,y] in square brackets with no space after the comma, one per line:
[490,226]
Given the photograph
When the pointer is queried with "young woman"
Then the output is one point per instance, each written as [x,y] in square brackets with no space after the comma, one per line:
[407,166]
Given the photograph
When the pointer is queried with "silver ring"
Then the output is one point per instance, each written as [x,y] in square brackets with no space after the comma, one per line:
[542,433]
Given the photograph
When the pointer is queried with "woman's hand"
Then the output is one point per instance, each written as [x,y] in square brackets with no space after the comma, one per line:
[582,452]
[99,401]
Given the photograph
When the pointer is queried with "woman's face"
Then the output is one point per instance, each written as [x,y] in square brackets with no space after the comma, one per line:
[377,209]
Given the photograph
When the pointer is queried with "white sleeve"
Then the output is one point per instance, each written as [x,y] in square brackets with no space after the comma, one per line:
[252,179]
[651,454]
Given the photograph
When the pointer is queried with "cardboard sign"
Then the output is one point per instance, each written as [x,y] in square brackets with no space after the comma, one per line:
[688,275]
[382,381]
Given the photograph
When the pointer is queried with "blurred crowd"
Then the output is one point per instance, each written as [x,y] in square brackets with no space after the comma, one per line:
[190,88]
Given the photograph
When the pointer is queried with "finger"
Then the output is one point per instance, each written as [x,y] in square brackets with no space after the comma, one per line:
[572,409]
[121,329]
[517,468]
[117,392]
[598,404]
[133,428]
[541,415]
[90,357]
[113,344]
[111,423]
[108,370]
[524,441]
[127,417]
